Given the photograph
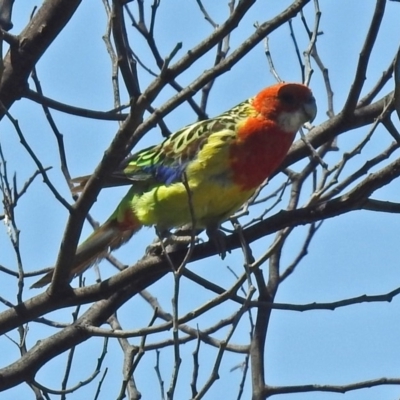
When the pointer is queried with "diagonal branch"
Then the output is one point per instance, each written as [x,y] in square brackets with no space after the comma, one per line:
[365,54]
[33,41]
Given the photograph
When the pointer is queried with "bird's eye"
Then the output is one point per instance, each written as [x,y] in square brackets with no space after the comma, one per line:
[287,98]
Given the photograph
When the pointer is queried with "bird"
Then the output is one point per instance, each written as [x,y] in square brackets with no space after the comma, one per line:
[201,174]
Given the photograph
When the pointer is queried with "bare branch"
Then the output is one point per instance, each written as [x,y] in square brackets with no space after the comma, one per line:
[272,390]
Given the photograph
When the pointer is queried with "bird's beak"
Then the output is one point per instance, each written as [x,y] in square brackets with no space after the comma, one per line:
[310,109]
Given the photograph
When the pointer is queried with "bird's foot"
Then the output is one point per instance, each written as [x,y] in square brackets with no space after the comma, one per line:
[219,239]
[181,238]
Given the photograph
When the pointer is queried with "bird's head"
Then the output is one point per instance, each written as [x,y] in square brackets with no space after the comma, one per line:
[289,104]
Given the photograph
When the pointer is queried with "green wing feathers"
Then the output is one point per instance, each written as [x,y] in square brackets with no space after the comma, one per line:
[164,164]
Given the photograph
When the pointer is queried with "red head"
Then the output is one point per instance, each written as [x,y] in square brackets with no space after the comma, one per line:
[289,104]
[264,139]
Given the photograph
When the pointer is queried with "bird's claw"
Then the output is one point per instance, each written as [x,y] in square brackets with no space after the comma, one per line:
[219,239]
[181,239]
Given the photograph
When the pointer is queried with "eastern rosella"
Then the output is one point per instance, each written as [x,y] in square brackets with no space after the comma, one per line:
[223,161]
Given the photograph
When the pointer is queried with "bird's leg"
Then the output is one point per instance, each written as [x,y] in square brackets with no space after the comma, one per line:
[218,238]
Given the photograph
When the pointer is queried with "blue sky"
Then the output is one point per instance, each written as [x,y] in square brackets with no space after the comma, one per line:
[351,255]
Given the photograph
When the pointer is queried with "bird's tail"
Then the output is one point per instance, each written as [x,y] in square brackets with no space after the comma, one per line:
[109,236]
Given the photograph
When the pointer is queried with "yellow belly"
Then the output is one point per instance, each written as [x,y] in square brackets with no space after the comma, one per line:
[214,197]
[168,206]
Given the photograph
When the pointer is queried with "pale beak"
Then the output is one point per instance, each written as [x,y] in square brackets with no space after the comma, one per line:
[310,108]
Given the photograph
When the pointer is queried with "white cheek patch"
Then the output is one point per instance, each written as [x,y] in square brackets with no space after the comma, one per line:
[292,121]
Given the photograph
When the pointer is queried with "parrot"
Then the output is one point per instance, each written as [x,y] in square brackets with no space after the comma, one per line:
[201,174]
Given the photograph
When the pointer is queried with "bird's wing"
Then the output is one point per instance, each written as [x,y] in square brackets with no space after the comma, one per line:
[165,162]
